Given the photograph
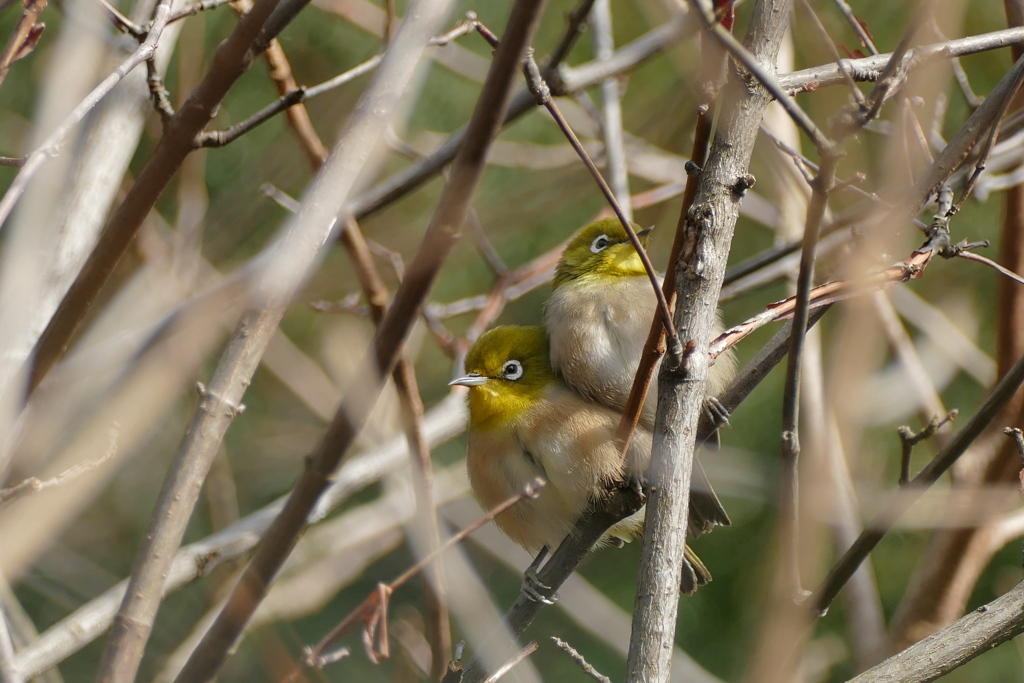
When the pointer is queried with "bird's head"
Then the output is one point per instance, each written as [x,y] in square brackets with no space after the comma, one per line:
[507,371]
[601,250]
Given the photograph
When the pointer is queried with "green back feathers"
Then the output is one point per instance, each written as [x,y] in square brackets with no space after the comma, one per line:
[600,250]
[515,360]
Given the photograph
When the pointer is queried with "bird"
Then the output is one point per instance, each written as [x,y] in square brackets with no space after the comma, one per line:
[598,318]
[524,423]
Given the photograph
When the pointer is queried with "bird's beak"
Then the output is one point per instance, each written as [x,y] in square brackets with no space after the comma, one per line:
[645,232]
[473,379]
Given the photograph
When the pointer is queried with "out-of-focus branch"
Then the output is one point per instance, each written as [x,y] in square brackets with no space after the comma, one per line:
[293,96]
[404,375]
[51,146]
[983,629]
[284,81]
[231,60]
[611,109]
[884,521]
[197,560]
[288,263]
[947,573]
[24,37]
[443,231]
[568,81]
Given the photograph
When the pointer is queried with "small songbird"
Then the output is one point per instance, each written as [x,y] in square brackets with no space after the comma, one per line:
[598,318]
[524,423]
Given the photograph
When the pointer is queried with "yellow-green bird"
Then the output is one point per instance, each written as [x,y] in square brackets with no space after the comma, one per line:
[598,318]
[524,422]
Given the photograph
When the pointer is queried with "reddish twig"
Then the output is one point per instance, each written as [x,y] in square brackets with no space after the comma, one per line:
[373,611]
[24,37]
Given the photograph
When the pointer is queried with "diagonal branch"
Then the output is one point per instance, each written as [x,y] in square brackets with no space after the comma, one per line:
[442,233]
[290,260]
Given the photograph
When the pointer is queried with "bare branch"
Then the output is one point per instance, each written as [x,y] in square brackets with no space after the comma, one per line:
[51,147]
[983,629]
[354,410]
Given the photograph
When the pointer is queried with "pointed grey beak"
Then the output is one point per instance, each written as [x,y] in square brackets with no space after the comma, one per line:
[471,380]
[645,232]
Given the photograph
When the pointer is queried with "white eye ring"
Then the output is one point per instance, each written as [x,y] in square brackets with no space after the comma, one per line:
[599,244]
[512,370]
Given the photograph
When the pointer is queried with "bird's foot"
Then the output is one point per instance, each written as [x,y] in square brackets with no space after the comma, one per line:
[718,413]
[532,588]
[632,493]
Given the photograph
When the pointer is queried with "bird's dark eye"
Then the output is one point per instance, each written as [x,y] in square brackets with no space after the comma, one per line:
[512,369]
[599,244]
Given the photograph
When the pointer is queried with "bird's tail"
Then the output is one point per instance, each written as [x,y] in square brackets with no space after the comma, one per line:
[695,574]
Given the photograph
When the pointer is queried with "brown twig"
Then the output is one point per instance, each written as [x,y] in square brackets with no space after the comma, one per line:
[354,410]
[123,23]
[51,145]
[884,521]
[712,64]
[284,81]
[221,401]
[908,439]
[856,25]
[294,96]
[404,375]
[230,61]
[24,37]
[373,611]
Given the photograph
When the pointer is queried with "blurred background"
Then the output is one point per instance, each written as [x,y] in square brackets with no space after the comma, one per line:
[881,361]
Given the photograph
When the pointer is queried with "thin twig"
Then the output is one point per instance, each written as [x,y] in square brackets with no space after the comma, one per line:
[940,653]
[390,336]
[196,8]
[284,80]
[178,140]
[790,447]
[856,25]
[587,667]
[530,648]
[870,68]
[542,94]
[404,375]
[876,530]
[280,279]
[24,37]
[373,609]
[858,96]
[51,146]
[121,22]
[908,439]
[34,484]
[749,62]
[986,149]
